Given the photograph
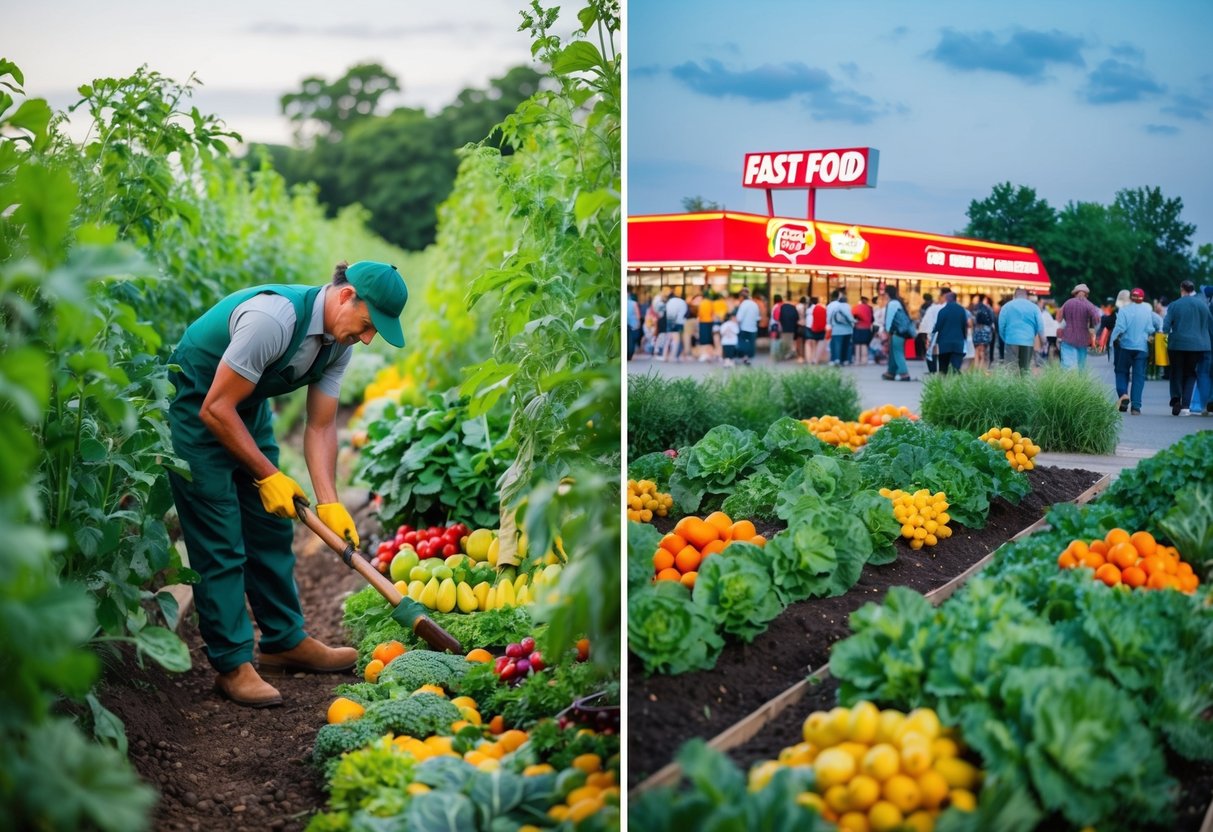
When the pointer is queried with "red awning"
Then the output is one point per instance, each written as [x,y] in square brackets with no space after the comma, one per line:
[738,241]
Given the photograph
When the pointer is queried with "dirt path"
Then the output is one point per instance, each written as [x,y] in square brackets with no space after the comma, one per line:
[220,766]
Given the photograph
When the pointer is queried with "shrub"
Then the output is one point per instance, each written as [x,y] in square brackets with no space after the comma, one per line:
[664,413]
[1062,410]
[673,413]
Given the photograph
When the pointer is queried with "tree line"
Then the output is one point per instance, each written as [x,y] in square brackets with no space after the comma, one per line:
[1138,240]
[401,165]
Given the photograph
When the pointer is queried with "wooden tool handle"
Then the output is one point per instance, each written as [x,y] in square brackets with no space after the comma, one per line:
[353,558]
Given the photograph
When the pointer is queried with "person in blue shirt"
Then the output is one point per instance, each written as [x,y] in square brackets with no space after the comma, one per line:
[1020,328]
[1135,324]
[1189,327]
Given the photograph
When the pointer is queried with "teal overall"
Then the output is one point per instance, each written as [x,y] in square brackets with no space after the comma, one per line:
[232,541]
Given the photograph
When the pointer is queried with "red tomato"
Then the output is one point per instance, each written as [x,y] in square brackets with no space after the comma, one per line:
[449,549]
[410,538]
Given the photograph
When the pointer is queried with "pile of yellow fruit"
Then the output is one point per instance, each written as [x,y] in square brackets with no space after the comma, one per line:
[1020,450]
[596,790]
[834,431]
[923,516]
[645,503]
[878,771]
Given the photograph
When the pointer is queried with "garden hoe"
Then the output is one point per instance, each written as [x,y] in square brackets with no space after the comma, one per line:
[406,611]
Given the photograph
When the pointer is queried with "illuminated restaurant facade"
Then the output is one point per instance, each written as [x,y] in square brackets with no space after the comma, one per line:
[794,257]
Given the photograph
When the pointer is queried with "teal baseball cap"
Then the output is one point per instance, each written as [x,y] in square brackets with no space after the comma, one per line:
[385,293]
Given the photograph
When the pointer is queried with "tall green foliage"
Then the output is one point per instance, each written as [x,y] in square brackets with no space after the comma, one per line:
[556,326]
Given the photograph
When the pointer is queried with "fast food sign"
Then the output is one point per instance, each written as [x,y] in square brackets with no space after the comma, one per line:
[853,167]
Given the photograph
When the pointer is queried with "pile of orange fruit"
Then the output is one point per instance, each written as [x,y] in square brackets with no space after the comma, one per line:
[1019,449]
[854,435]
[695,538]
[1136,561]
[878,416]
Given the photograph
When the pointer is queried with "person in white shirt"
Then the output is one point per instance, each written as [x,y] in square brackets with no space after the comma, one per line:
[729,332]
[926,324]
[675,319]
[1050,327]
[747,322]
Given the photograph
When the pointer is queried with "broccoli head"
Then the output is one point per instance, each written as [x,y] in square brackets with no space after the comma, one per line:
[415,668]
[419,715]
[334,740]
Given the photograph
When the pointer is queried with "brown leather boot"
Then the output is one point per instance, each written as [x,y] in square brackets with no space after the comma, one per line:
[244,687]
[310,656]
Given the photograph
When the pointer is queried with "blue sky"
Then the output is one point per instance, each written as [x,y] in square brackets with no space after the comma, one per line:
[1076,99]
[249,53]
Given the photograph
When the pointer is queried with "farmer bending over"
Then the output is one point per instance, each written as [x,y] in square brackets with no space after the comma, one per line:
[254,344]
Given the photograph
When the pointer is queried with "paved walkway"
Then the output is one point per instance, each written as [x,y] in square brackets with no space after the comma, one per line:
[1141,437]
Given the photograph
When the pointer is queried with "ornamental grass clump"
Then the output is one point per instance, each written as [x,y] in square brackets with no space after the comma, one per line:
[1062,410]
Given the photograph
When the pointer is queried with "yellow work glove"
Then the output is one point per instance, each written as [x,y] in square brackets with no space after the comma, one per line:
[278,493]
[338,519]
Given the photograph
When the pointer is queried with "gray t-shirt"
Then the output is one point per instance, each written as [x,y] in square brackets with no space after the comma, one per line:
[261,330]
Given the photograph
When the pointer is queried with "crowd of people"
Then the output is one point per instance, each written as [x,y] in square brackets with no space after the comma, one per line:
[1173,339]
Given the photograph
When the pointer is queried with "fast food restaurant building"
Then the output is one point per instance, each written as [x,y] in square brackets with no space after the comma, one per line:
[794,257]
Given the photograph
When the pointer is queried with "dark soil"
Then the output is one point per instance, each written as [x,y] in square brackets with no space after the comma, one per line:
[666,711]
[220,766]
[1196,779]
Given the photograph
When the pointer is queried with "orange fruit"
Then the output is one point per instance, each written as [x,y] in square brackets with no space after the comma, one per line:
[743,530]
[758,540]
[1188,583]
[1133,576]
[1116,536]
[343,709]
[670,574]
[1123,555]
[1144,543]
[373,668]
[714,547]
[1093,559]
[722,522]
[1108,573]
[1099,547]
[1066,560]
[662,559]
[1161,580]
[1079,549]
[700,533]
[387,651]
[1153,564]
[479,655]
[688,559]
[680,528]
[1184,568]
[673,543]
[497,724]
[688,579]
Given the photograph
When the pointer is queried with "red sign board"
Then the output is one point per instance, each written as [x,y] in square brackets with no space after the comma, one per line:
[737,240]
[853,167]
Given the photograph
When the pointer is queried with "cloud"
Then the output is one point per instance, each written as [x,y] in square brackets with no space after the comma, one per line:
[366,31]
[823,97]
[1128,51]
[1188,107]
[1116,82]
[898,33]
[850,69]
[1162,130]
[646,71]
[1025,54]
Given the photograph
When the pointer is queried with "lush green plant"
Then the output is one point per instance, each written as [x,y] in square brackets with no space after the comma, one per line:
[51,776]
[1061,410]
[1148,490]
[556,324]
[737,591]
[910,455]
[716,797]
[814,391]
[665,413]
[670,633]
[436,463]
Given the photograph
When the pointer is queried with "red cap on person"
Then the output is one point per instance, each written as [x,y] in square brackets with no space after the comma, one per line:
[1138,294]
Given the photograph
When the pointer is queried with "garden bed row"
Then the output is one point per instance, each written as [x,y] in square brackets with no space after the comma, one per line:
[666,711]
